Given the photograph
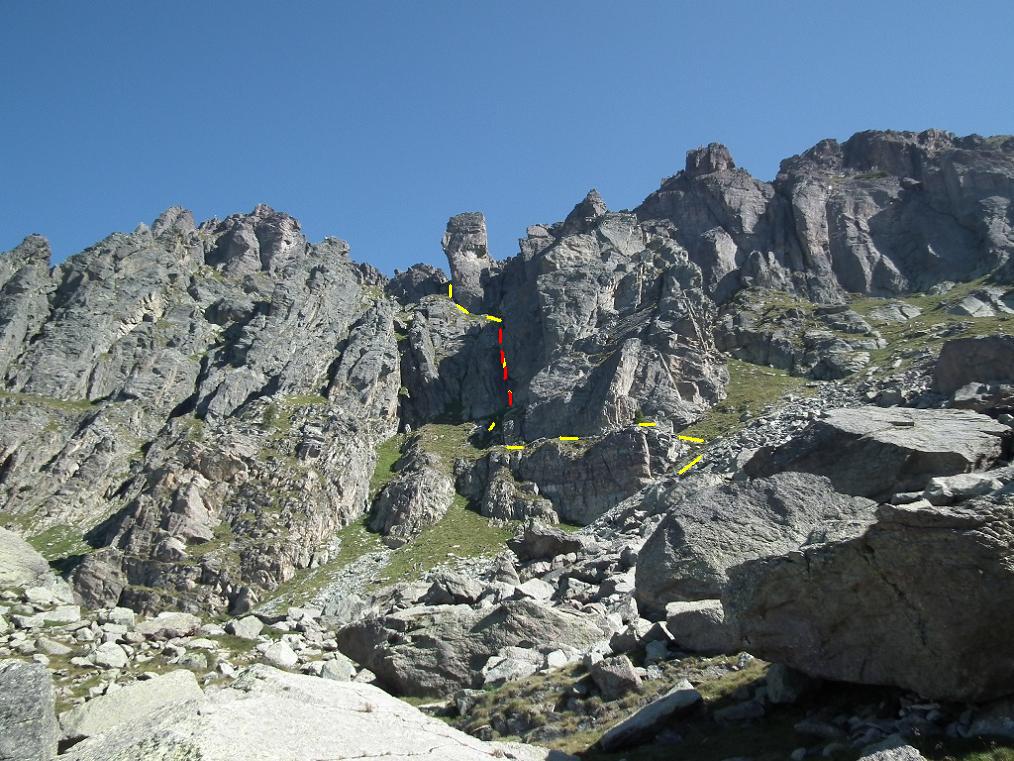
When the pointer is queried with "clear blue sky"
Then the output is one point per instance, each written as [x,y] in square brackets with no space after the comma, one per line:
[375,121]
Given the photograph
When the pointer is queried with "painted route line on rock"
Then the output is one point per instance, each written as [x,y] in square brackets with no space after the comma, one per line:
[510,393]
[689,465]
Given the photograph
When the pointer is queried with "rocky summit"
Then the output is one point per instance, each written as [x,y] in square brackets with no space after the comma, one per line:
[724,476]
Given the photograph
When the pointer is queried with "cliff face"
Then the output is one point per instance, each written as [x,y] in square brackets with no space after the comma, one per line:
[882,213]
[206,401]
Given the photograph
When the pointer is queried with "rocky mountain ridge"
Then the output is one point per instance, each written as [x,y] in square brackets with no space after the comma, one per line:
[224,419]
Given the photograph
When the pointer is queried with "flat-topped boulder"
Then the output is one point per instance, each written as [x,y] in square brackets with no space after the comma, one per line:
[876,452]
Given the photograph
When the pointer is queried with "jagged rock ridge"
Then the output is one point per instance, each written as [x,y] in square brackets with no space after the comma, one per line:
[205,400]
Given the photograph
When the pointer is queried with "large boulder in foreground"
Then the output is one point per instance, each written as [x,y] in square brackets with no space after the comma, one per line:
[432,650]
[987,359]
[130,703]
[706,532]
[921,600]
[876,452]
[28,728]
[270,714]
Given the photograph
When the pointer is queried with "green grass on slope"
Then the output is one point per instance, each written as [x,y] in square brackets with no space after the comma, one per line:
[59,542]
[751,389]
[461,533]
[541,703]
[64,405]
[905,338]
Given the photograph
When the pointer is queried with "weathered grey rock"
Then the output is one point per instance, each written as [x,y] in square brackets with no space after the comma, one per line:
[267,713]
[169,625]
[892,748]
[584,483]
[28,726]
[870,608]
[52,647]
[248,627]
[21,565]
[109,655]
[706,532]
[280,655]
[430,650]
[950,489]
[699,626]
[338,669]
[537,541]
[134,702]
[504,498]
[642,725]
[417,281]
[449,588]
[122,617]
[974,360]
[995,719]
[510,664]
[615,677]
[467,252]
[63,614]
[417,497]
[909,446]
[785,685]
[896,311]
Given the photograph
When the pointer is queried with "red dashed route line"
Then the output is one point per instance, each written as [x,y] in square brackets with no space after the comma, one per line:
[510,394]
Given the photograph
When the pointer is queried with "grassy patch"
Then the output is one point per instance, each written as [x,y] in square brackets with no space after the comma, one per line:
[751,388]
[387,455]
[460,533]
[63,405]
[355,541]
[304,400]
[922,332]
[58,542]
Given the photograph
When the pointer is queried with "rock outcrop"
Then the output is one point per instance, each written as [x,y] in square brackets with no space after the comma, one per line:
[271,714]
[915,601]
[417,497]
[877,452]
[987,360]
[706,532]
[429,650]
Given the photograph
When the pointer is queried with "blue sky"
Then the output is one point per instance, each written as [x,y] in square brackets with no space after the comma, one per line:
[375,121]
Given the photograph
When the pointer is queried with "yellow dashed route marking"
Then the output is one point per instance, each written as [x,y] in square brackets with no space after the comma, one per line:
[689,465]
[516,447]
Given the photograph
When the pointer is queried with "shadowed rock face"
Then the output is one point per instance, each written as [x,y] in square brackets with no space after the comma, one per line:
[916,601]
[975,360]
